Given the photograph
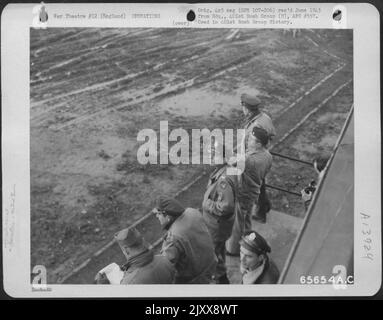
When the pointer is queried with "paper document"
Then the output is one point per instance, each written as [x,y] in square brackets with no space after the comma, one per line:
[113,273]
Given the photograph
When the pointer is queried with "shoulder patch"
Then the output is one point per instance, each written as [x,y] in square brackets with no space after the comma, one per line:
[169,237]
[223,184]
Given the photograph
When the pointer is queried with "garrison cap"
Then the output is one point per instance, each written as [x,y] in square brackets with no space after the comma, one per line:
[170,206]
[254,242]
[251,102]
[129,237]
[261,135]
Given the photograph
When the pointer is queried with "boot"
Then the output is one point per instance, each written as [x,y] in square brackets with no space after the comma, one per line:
[260,214]
[258,219]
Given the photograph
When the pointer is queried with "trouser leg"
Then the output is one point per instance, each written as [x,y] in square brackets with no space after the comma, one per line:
[220,269]
[263,203]
[242,224]
[232,243]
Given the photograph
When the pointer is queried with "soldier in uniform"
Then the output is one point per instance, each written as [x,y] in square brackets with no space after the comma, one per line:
[256,267]
[257,164]
[218,209]
[254,117]
[187,244]
[142,266]
[319,164]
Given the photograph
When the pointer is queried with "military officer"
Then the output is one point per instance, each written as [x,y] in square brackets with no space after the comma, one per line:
[319,164]
[142,266]
[256,267]
[258,162]
[254,117]
[187,244]
[218,209]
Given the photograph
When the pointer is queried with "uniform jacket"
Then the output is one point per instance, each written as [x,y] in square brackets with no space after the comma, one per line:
[257,165]
[152,270]
[261,120]
[219,204]
[189,246]
[266,274]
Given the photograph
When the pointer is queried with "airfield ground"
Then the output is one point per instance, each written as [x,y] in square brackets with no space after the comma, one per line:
[93,90]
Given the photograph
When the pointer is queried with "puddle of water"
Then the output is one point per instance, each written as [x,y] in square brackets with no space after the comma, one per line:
[203,102]
[328,141]
[114,146]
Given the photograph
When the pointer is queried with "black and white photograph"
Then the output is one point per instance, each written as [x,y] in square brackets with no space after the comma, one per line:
[205,150]
[93,93]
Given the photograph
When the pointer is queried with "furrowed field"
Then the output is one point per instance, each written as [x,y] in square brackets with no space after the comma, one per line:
[93,90]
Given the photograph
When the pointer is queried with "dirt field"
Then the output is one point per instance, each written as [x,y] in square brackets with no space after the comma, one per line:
[93,90]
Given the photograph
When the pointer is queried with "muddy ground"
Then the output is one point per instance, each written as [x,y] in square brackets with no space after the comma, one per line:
[93,90]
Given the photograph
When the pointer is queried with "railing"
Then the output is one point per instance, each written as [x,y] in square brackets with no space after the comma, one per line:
[313,202]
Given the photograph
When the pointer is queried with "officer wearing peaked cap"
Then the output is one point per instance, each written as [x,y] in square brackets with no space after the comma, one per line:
[255,118]
[256,266]
[257,165]
[142,266]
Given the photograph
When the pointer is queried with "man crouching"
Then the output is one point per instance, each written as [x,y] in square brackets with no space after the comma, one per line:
[142,266]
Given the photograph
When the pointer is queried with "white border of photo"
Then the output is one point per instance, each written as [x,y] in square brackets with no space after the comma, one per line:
[17,19]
